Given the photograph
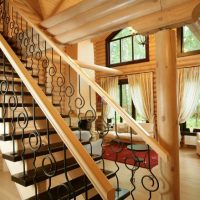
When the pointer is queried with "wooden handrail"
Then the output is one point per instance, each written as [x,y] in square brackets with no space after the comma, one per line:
[100,68]
[161,151]
[85,161]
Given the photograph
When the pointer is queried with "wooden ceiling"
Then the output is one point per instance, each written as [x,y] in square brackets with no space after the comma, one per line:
[48,8]
[70,21]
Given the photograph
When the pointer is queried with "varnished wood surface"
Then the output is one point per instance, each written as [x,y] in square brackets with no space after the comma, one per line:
[189,179]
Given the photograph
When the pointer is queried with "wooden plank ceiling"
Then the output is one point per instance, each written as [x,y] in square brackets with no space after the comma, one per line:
[70,21]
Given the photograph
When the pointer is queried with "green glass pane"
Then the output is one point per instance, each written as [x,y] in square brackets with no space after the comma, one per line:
[139,49]
[126,49]
[114,52]
[123,33]
[190,41]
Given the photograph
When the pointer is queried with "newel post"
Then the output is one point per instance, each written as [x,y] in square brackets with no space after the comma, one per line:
[167,113]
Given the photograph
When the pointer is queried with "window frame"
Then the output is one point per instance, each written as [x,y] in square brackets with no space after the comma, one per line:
[109,39]
[180,52]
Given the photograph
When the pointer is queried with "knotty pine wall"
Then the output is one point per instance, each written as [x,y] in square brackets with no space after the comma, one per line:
[150,66]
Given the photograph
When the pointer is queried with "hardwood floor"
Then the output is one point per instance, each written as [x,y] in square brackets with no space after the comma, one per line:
[189,173]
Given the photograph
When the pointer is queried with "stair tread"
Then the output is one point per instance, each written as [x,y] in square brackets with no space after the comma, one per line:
[15,119]
[29,178]
[19,105]
[78,185]
[120,194]
[55,147]
[18,135]
[17,93]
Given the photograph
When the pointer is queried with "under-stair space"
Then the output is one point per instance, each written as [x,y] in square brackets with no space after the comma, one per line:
[29,142]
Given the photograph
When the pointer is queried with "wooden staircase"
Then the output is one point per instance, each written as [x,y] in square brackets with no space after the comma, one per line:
[34,144]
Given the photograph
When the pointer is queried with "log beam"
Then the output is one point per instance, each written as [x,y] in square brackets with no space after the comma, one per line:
[71,12]
[171,17]
[167,113]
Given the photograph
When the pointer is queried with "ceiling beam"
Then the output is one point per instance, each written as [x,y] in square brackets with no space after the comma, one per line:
[91,15]
[65,4]
[111,20]
[173,17]
[71,12]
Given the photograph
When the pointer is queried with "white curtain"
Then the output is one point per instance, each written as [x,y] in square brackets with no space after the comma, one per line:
[141,89]
[110,85]
[188,89]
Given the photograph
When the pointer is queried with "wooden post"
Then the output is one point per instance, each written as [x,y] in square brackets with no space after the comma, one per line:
[167,113]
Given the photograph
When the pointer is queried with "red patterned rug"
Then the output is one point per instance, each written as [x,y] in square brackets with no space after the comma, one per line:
[125,155]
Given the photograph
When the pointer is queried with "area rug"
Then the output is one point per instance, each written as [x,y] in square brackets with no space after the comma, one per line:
[125,155]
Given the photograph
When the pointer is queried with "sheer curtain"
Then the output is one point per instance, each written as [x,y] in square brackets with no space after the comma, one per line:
[110,85]
[141,89]
[188,83]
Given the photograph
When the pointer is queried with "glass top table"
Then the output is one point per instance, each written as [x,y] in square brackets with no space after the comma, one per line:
[138,147]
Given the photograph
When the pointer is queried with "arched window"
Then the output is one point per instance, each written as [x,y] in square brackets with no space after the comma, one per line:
[125,48]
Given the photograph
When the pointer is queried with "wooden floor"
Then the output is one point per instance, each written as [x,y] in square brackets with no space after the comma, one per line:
[189,171]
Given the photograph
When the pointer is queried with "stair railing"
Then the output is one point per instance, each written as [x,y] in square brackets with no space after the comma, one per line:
[29,40]
[87,164]
[162,152]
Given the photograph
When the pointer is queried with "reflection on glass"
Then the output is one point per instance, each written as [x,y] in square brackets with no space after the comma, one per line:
[126,49]
[114,52]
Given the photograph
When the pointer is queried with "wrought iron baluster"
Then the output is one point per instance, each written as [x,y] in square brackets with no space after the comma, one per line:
[13,104]
[79,104]
[12,23]
[16,30]
[60,84]
[7,18]
[38,56]
[52,73]
[45,64]
[21,37]
[1,11]
[154,186]
[35,143]
[51,171]
[69,93]
[31,49]
[4,87]
[26,44]
[69,188]
[22,120]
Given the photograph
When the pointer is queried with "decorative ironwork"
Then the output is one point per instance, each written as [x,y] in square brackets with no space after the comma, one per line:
[73,101]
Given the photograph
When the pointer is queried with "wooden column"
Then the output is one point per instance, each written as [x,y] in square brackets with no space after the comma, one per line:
[167,113]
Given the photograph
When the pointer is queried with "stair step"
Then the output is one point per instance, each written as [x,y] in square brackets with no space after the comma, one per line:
[8,73]
[18,136]
[15,119]
[18,82]
[55,147]
[42,132]
[17,93]
[120,194]
[78,185]
[19,105]
[28,180]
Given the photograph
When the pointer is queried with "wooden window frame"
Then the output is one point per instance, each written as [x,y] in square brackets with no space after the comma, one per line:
[180,52]
[109,39]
